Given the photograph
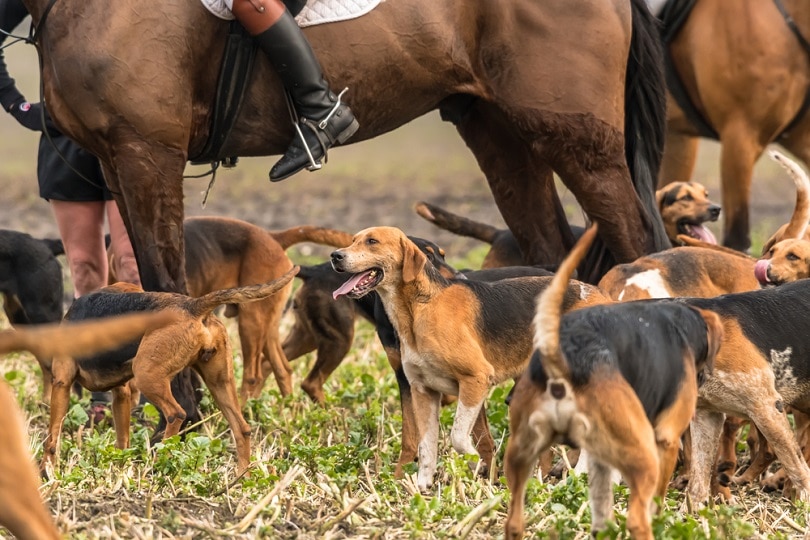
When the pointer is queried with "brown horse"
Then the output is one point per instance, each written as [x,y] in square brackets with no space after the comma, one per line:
[747,74]
[533,87]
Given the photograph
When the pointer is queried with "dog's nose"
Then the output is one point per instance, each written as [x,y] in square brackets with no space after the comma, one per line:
[714,211]
[336,256]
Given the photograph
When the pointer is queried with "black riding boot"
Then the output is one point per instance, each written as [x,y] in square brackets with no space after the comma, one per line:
[323,119]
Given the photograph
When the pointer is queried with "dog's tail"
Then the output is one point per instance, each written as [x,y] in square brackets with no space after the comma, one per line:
[797,226]
[85,337]
[456,224]
[203,305]
[55,245]
[308,233]
[549,311]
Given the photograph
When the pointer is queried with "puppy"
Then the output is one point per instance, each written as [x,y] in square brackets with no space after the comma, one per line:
[31,284]
[199,341]
[458,337]
[21,508]
[685,208]
[619,381]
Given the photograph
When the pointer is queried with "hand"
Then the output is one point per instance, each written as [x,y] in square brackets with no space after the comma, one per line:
[29,115]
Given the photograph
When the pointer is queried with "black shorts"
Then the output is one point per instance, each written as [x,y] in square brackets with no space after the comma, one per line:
[59,182]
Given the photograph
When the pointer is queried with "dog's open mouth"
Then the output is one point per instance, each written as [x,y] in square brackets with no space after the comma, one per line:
[697,231]
[360,284]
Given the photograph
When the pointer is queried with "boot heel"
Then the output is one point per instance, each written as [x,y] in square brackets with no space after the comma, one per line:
[350,130]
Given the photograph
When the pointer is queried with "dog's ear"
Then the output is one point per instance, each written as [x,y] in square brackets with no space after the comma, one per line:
[413,261]
[667,196]
[714,336]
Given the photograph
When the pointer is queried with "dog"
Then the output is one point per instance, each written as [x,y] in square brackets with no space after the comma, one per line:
[21,509]
[618,380]
[457,337]
[684,206]
[199,341]
[31,284]
[759,371]
[327,324]
[222,253]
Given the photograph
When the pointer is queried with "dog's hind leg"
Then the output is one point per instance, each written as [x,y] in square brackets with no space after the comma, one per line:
[530,435]
[426,404]
[600,486]
[776,429]
[484,444]
[705,429]
[64,371]
[217,372]
[122,411]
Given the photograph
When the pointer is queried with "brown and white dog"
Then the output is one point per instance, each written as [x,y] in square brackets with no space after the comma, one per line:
[21,508]
[458,337]
[619,381]
[198,340]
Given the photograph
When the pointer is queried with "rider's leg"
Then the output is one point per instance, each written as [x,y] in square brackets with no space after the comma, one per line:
[324,120]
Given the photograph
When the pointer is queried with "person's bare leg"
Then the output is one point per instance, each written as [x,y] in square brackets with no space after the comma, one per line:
[81,227]
[126,267]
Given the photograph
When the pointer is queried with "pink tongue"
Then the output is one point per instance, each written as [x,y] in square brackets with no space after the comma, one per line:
[350,284]
[703,234]
[761,271]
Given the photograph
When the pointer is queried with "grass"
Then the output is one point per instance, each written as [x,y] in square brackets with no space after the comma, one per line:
[323,472]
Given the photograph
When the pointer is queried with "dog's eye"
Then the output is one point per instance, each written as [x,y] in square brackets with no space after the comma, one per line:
[792,257]
[371,241]
[687,197]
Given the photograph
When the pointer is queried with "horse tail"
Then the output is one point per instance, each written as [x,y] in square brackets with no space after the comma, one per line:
[645,115]
[549,311]
[203,305]
[308,233]
[456,224]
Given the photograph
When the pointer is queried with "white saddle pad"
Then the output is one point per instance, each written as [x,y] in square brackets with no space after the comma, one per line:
[315,12]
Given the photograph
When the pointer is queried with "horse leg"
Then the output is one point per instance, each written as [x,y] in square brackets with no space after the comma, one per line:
[740,150]
[521,184]
[680,155]
[147,183]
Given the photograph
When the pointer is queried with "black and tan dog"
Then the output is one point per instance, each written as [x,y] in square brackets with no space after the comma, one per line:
[760,370]
[457,337]
[31,284]
[21,508]
[327,325]
[619,381]
[199,340]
